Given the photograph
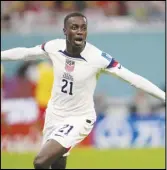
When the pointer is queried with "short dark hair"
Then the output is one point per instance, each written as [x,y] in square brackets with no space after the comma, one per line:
[74,14]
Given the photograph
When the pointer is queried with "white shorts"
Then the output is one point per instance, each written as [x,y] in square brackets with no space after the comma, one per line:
[69,132]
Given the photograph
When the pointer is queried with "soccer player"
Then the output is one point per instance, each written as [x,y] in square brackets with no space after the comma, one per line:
[70,114]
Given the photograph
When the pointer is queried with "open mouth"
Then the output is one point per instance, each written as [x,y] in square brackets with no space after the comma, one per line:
[78,41]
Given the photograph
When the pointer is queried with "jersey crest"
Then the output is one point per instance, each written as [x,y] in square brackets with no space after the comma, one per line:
[69,66]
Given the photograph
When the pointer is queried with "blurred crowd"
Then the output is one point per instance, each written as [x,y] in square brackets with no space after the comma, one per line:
[15,14]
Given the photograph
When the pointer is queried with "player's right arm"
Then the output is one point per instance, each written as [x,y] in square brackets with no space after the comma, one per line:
[22,53]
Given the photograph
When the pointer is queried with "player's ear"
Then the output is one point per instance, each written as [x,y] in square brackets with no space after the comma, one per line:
[64,30]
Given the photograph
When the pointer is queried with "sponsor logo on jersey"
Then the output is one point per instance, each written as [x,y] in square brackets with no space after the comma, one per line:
[58,135]
[106,56]
[68,76]
[119,66]
[69,66]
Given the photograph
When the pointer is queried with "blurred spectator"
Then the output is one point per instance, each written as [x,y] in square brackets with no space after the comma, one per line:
[115,8]
[157,10]
[159,107]
[21,86]
[19,109]
[146,10]
[145,104]
[6,22]
[68,6]
[2,80]
[2,74]
[92,4]
[101,103]
[101,106]
[80,5]
[3,122]
[140,105]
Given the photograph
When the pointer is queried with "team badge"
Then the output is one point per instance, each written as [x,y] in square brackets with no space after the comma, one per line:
[69,66]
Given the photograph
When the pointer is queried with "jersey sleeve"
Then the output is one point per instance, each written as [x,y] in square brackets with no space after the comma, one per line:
[51,46]
[23,53]
[32,53]
[109,64]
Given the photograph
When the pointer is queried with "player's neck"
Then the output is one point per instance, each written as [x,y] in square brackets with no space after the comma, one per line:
[73,51]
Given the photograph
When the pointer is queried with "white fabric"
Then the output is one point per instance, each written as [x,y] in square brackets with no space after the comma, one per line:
[22,53]
[137,81]
[68,131]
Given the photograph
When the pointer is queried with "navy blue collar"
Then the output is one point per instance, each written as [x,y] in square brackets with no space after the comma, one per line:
[67,54]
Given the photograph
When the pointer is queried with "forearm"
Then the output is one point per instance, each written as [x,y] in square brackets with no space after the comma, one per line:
[145,85]
[22,53]
[140,82]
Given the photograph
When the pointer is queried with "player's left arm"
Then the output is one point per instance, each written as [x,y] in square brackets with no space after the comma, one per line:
[115,68]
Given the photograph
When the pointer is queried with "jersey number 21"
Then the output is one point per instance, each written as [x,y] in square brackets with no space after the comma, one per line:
[65,86]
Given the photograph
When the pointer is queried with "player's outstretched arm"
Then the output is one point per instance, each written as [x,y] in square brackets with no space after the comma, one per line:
[22,53]
[137,81]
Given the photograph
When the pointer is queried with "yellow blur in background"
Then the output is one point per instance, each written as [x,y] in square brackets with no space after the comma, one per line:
[44,83]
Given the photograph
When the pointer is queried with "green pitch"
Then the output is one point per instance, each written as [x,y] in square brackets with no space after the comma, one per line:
[95,158]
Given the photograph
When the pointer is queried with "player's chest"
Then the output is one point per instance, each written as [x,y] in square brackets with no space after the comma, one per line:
[74,69]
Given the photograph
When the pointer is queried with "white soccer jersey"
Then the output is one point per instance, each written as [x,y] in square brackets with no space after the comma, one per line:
[74,78]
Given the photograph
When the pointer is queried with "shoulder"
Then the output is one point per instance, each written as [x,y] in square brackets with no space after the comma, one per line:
[54,45]
[90,48]
[102,58]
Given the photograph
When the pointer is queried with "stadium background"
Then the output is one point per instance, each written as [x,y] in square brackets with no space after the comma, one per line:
[130,129]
